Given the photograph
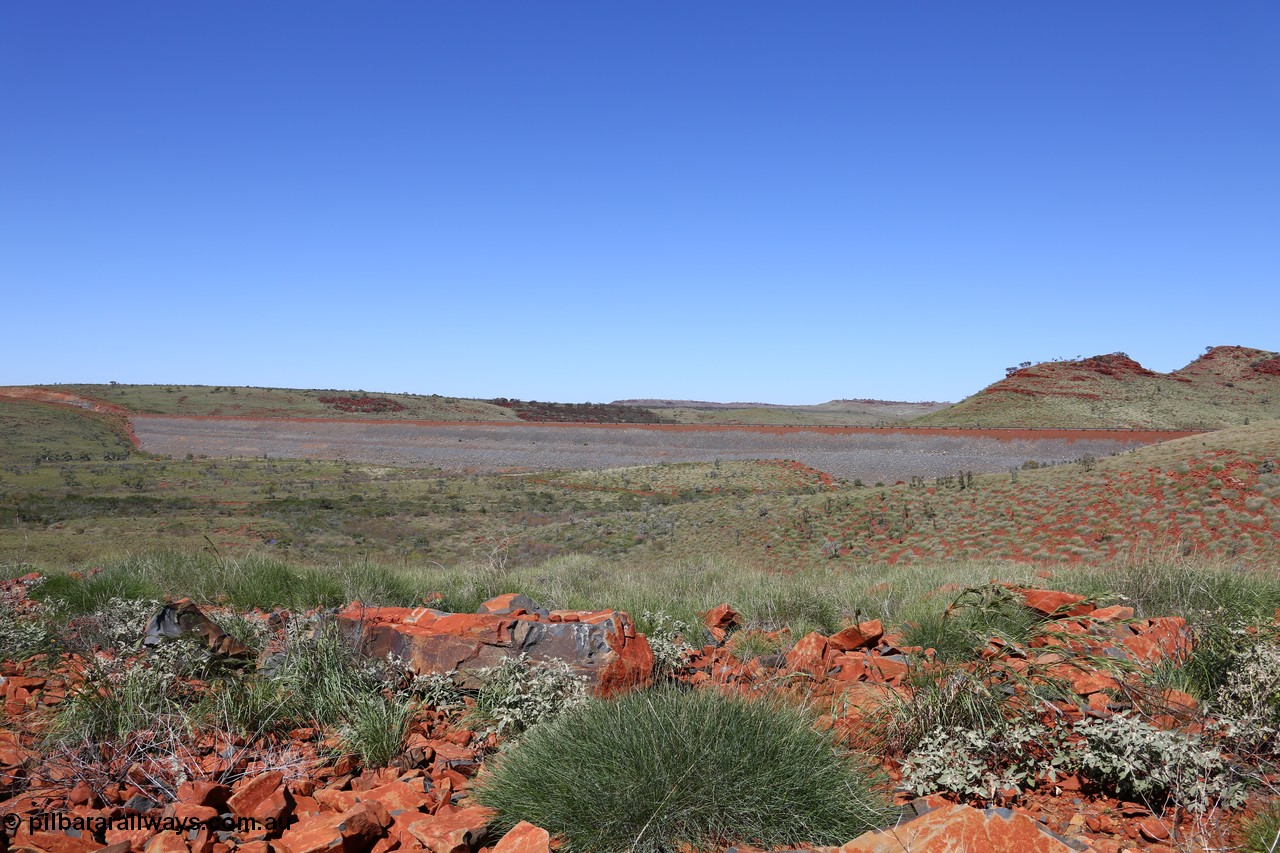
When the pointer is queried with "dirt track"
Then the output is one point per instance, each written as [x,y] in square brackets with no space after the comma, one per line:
[869,454]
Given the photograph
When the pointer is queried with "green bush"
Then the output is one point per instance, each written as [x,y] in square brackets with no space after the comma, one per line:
[1141,762]
[655,770]
[23,634]
[668,638]
[112,706]
[1248,702]
[518,694]
[981,762]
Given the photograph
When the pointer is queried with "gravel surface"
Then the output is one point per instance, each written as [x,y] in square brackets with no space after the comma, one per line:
[886,456]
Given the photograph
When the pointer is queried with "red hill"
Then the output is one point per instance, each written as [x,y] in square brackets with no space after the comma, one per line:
[1227,385]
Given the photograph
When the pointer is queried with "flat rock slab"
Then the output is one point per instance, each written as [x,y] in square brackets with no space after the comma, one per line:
[963,829]
[602,646]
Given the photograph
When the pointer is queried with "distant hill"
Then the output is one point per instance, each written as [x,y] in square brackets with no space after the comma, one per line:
[243,401]
[832,413]
[1226,386]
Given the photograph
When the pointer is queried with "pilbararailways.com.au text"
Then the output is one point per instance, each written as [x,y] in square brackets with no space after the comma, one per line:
[97,824]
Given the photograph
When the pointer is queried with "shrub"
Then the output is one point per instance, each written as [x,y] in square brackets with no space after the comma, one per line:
[112,706]
[22,634]
[320,674]
[980,762]
[1249,700]
[656,770]
[116,625]
[666,636]
[518,694]
[434,689]
[1141,762]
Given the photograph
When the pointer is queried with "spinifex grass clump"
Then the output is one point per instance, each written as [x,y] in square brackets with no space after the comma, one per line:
[656,770]
[975,616]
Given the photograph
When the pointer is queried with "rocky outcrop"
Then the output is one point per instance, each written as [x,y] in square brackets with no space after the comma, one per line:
[603,646]
[183,618]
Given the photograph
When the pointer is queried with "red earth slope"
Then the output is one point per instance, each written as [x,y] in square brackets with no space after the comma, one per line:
[1226,386]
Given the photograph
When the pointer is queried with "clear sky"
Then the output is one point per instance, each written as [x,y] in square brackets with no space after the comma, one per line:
[783,201]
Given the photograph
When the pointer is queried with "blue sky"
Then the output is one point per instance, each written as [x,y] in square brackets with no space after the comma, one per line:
[785,202]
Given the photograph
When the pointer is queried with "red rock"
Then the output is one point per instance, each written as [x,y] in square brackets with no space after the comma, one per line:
[118,847]
[887,669]
[134,839]
[54,842]
[603,646]
[191,812]
[398,797]
[264,799]
[864,635]
[511,604]
[1084,682]
[1143,648]
[203,842]
[458,832]
[353,831]
[1171,635]
[961,829]
[720,620]
[335,800]
[1114,613]
[1153,829]
[11,752]
[204,794]
[852,666]
[1178,700]
[82,795]
[167,842]
[524,837]
[809,655]
[1052,602]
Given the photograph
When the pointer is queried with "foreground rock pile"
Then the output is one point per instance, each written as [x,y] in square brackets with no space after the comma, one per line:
[301,793]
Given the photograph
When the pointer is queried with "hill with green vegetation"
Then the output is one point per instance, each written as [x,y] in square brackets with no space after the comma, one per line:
[44,432]
[236,401]
[1226,386]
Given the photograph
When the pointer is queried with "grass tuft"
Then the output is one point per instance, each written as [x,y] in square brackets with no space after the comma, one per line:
[656,770]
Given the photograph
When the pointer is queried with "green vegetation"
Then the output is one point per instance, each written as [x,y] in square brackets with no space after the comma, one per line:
[283,402]
[518,694]
[36,433]
[655,770]
[1261,832]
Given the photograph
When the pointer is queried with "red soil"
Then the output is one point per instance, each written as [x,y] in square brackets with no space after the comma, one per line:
[1267,367]
[363,404]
